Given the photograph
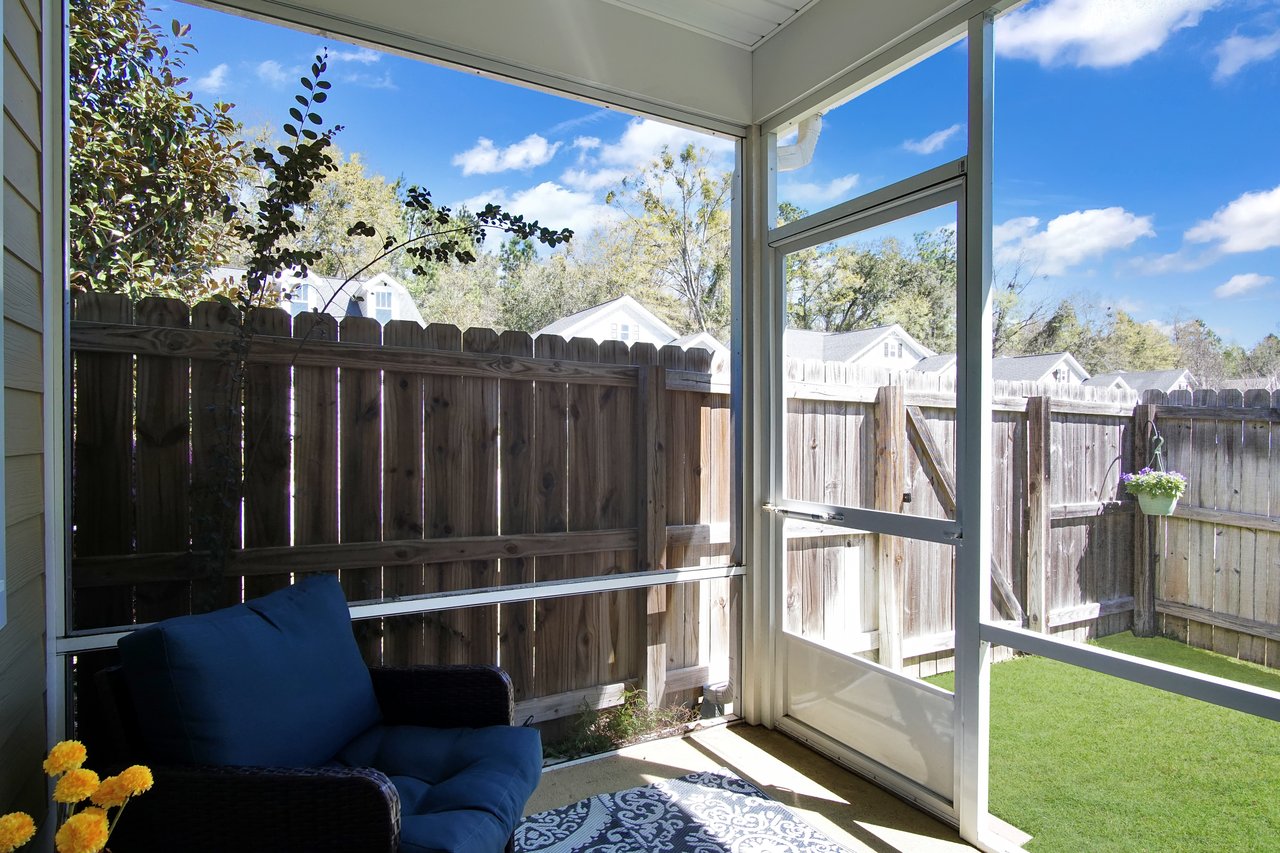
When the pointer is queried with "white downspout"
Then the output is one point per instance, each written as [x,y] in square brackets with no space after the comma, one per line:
[800,153]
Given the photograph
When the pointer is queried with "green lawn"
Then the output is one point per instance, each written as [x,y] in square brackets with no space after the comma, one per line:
[1086,762]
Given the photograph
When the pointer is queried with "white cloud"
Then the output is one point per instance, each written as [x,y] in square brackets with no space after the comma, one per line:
[806,193]
[933,142]
[272,73]
[587,180]
[552,205]
[1095,33]
[486,158]
[1070,239]
[587,143]
[1238,285]
[1250,223]
[644,139]
[1238,51]
[370,81]
[215,81]
[362,55]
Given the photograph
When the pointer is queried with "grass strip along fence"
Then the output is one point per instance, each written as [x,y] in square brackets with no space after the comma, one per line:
[1084,761]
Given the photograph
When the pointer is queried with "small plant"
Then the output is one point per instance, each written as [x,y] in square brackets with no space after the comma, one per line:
[84,828]
[630,722]
[1163,484]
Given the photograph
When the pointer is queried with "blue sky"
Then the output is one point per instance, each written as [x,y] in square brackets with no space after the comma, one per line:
[1137,143]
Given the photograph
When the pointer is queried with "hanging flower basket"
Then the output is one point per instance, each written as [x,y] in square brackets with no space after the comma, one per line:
[1157,491]
[1157,504]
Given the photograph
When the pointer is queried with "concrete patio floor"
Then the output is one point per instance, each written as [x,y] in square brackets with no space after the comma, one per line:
[849,809]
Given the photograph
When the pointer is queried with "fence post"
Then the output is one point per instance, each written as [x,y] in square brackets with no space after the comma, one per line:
[891,440]
[1144,533]
[651,403]
[1039,411]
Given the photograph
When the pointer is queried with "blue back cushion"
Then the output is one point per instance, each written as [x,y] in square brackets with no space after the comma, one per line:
[274,682]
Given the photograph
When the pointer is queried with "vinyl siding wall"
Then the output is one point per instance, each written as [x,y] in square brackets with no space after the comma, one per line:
[22,640]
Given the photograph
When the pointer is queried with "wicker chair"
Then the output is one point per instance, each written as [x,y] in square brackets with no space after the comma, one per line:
[211,809]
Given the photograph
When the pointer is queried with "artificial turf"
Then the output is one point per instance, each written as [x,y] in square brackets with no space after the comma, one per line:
[1086,762]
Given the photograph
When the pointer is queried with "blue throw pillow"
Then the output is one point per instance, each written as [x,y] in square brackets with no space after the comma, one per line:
[274,682]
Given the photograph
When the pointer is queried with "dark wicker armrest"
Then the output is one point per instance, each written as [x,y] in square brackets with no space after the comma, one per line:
[248,809]
[445,697]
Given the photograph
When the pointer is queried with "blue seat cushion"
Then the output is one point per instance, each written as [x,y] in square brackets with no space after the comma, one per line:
[274,682]
[461,790]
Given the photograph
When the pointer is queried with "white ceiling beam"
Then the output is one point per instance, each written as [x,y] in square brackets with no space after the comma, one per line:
[583,48]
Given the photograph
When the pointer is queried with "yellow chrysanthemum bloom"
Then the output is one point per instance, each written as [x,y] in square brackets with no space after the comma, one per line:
[15,830]
[75,786]
[111,792]
[136,779]
[67,755]
[84,832]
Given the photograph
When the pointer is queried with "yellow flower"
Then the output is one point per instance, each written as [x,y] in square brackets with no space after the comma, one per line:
[84,832]
[111,793]
[136,780]
[77,785]
[67,755]
[15,830]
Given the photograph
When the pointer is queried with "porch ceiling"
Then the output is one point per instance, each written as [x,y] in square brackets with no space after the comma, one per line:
[717,64]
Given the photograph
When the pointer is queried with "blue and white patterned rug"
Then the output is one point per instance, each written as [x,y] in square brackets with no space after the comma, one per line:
[701,813]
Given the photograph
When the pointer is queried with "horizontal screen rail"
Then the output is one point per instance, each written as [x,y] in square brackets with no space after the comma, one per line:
[433,602]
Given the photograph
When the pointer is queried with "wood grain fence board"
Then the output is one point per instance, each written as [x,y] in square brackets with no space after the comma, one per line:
[216,435]
[1144,536]
[518,498]
[589,655]
[553,618]
[650,611]
[1226,593]
[446,640]
[207,344]
[891,432]
[621,508]
[1254,499]
[837,596]
[360,473]
[266,451]
[1272,580]
[1038,487]
[403,493]
[315,438]
[481,453]
[1205,552]
[103,413]
[164,461]
[1175,562]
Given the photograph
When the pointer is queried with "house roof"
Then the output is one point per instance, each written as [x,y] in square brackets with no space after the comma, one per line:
[1143,380]
[565,326]
[350,302]
[936,363]
[1032,368]
[844,346]
[700,340]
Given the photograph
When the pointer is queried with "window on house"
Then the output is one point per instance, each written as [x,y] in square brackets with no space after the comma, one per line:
[301,299]
[888,349]
[382,306]
[624,332]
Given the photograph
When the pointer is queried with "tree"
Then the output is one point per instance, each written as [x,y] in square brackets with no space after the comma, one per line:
[150,167]
[1014,315]
[677,216]
[1200,350]
[1264,358]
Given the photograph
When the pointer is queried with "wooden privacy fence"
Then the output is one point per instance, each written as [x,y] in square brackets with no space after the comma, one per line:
[1063,531]
[409,461]
[1214,567]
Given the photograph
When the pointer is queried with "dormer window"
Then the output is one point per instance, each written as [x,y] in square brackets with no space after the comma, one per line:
[893,349]
[382,306]
[301,299]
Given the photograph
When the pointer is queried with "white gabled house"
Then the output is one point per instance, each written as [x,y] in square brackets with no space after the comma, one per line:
[622,319]
[1176,379]
[1054,367]
[888,347]
[381,297]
